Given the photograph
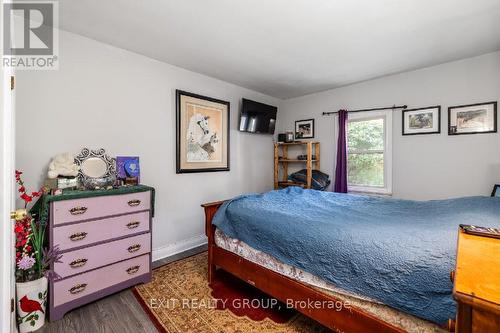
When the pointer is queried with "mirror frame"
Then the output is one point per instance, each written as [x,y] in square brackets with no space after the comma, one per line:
[85,154]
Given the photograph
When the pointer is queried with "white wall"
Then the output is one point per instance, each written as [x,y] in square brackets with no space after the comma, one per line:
[424,166]
[103,96]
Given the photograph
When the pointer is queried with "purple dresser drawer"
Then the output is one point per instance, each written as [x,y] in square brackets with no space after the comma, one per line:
[86,233]
[90,208]
[88,258]
[94,281]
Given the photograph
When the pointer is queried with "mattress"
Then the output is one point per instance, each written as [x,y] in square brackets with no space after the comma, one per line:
[397,318]
[399,252]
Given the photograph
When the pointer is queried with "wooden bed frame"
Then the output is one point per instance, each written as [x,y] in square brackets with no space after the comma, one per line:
[345,319]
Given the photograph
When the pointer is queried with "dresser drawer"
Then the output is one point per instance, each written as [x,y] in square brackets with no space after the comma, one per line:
[80,261]
[90,208]
[86,233]
[84,284]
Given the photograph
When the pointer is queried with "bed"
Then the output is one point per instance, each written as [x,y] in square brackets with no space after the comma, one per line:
[389,259]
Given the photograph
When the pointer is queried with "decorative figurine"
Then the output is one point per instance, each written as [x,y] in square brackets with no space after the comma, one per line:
[63,165]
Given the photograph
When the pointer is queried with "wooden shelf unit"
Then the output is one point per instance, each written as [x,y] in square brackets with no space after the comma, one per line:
[296,160]
[283,160]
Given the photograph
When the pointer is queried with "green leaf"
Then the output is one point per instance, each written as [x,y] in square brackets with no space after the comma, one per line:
[366,135]
[40,295]
[30,317]
[365,157]
[32,323]
[36,316]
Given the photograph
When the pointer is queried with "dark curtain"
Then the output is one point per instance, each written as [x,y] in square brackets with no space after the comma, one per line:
[341,167]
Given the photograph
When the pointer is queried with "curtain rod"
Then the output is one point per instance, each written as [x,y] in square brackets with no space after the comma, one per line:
[394,107]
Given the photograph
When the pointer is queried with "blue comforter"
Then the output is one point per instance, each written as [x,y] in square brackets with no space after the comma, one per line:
[398,252]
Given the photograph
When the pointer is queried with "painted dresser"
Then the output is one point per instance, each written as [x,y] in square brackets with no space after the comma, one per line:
[105,240]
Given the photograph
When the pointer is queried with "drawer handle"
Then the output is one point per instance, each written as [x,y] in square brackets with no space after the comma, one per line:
[78,288]
[78,236]
[133,203]
[134,248]
[133,225]
[133,269]
[78,263]
[78,210]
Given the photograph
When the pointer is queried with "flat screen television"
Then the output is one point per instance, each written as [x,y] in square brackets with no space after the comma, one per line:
[257,117]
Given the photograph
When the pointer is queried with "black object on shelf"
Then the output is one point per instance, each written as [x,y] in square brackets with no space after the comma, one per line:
[304,157]
[319,181]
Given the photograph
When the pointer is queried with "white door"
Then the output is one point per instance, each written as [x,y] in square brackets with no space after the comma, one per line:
[7,198]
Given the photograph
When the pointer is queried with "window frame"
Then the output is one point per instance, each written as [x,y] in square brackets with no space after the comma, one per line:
[371,115]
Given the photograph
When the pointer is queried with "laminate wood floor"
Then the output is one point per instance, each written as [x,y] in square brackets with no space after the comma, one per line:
[117,313]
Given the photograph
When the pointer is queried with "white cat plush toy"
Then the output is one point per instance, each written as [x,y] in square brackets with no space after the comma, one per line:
[63,165]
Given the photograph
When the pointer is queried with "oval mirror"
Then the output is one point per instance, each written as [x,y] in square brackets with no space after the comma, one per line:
[94,167]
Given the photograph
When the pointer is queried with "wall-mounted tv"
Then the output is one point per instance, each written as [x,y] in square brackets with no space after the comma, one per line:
[257,117]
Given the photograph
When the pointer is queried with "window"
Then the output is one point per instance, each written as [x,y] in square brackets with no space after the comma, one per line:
[369,157]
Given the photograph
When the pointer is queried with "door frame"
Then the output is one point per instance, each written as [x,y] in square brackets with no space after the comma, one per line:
[7,204]
[7,151]
[7,201]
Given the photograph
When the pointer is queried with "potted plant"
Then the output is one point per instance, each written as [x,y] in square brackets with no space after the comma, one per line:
[33,262]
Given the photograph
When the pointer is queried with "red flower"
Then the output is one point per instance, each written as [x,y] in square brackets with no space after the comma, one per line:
[28,248]
[18,229]
[26,198]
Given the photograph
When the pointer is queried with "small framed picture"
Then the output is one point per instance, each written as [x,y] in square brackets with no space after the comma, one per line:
[472,119]
[496,191]
[304,129]
[128,167]
[422,121]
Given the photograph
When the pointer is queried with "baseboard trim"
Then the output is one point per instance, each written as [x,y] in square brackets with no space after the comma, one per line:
[179,247]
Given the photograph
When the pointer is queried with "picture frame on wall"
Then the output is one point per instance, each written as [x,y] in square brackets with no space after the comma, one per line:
[472,119]
[422,121]
[202,134]
[304,129]
[496,191]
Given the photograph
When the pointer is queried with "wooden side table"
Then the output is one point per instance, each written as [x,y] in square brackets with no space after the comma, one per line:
[477,284]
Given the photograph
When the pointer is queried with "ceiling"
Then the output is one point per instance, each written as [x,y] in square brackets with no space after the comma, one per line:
[289,48]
